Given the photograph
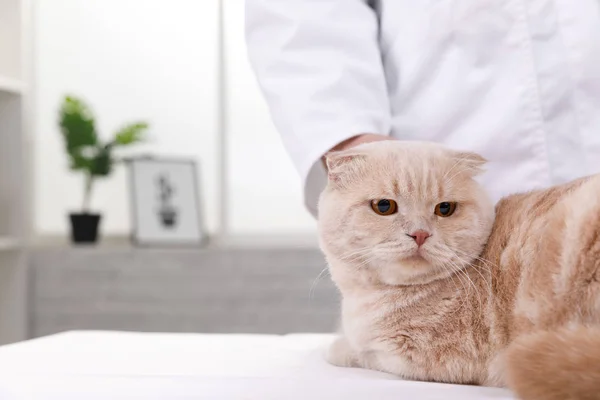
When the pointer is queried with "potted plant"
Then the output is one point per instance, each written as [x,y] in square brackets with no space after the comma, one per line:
[167,213]
[91,156]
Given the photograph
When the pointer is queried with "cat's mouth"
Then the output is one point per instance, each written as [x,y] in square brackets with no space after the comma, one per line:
[416,256]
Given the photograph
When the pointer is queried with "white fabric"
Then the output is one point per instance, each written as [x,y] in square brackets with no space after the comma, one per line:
[119,365]
[517,81]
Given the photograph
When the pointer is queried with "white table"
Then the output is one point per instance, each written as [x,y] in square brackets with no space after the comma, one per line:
[94,365]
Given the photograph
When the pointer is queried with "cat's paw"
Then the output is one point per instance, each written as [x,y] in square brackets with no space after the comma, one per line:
[341,354]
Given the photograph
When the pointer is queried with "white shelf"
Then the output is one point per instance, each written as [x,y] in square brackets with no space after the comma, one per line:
[8,243]
[11,85]
[15,54]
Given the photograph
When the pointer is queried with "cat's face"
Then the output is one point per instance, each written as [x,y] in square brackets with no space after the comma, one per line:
[401,213]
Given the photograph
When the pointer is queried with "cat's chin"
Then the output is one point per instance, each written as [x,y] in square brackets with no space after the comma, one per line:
[417,259]
[413,269]
[410,270]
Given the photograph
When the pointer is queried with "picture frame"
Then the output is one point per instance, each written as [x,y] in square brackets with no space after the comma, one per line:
[165,202]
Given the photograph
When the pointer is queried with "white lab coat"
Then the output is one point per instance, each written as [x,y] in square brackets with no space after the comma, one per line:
[516,80]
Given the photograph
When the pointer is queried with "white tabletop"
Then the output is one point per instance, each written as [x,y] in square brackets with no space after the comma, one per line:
[124,365]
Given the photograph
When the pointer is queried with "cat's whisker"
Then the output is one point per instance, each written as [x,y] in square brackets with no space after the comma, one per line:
[365,262]
[311,292]
[357,255]
[440,260]
[483,264]
[476,268]
[487,263]
[469,280]
[485,279]
[460,293]
[361,260]
[356,252]
[365,250]
[464,293]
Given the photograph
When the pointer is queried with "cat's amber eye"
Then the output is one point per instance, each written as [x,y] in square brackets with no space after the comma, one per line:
[445,209]
[384,206]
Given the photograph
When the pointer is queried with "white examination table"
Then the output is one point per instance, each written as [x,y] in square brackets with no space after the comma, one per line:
[91,365]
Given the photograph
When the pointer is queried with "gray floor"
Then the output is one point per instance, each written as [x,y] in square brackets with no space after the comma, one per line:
[225,290]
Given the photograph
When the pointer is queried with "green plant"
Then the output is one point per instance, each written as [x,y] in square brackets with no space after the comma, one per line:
[86,152]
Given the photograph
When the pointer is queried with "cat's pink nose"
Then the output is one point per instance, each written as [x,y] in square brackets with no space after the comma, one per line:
[420,237]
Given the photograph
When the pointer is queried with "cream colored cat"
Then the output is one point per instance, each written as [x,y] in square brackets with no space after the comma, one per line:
[439,286]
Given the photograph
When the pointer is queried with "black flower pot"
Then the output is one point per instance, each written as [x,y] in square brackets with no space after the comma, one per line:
[84,227]
[168,217]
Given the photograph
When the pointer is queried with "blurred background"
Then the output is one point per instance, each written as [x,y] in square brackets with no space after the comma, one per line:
[251,263]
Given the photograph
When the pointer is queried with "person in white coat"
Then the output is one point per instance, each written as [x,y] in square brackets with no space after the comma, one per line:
[516,81]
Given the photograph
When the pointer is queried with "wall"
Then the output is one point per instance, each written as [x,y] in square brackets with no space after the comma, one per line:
[157,60]
[130,59]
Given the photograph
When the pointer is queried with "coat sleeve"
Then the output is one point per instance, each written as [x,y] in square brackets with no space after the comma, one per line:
[318,63]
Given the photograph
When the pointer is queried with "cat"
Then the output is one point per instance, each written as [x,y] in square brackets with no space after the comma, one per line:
[438,284]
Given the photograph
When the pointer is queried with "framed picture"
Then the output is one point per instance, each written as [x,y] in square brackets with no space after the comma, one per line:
[165,202]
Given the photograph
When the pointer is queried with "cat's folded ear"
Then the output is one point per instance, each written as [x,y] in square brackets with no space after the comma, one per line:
[470,162]
[342,166]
